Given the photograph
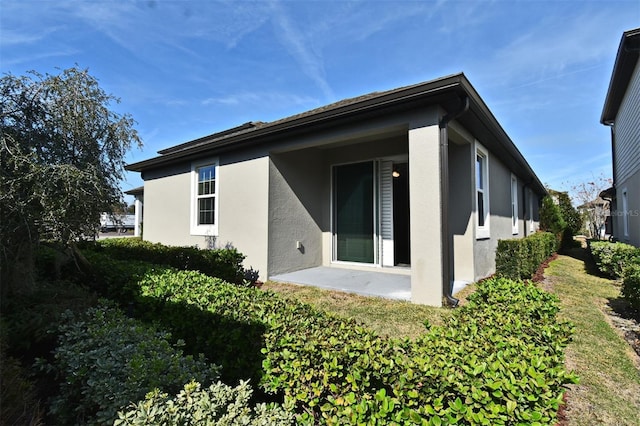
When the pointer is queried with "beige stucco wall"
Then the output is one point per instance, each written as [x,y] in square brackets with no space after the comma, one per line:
[242,199]
[297,194]
[425,215]
[499,218]
[461,199]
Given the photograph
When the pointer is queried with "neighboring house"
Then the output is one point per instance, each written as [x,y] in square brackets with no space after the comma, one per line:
[420,180]
[597,218]
[622,112]
[138,195]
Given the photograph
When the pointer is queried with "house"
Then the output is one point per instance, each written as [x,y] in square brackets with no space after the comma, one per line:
[420,180]
[597,218]
[138,196]
[622,113]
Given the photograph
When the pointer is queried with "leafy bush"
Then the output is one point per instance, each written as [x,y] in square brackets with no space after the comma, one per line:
[611,258]
[551,219]
[225,264]
[520,258]
[631,284]
[106,360]
[220,404]
[498,360]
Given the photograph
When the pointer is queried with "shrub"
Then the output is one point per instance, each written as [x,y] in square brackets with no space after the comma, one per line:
[520,258]
[219,404]
[551,217]
[631,284]
[499,360]
[611,258]
[106,360]
[225,263]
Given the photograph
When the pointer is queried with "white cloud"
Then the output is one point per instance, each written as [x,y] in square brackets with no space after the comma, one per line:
[282,100]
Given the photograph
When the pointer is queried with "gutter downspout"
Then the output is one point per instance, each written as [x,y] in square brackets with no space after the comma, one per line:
[447,258]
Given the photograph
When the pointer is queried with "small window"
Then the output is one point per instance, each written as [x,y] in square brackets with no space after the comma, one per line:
[482,192]
[514,205]
[204,200]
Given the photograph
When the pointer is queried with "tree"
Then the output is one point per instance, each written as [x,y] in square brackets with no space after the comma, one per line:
[62,158]
[550,217]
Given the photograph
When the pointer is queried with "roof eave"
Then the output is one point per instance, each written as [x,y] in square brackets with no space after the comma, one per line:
[626,59]
[428,89]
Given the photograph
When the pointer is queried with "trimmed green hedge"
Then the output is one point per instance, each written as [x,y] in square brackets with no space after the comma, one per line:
[498,360]
[631,284]
[520,258]
[611,258]
[225,263]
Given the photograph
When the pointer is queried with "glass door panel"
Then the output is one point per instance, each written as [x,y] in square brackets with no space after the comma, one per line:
[354,212]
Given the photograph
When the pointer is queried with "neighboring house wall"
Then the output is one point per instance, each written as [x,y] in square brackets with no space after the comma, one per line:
[627,160]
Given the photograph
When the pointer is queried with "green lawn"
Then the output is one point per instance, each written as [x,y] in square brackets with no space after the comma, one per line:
[609,391]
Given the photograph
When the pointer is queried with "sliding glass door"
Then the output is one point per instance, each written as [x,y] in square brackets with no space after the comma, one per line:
[354,212]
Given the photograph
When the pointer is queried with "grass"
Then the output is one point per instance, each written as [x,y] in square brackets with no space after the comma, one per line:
[387,317]
[609,389]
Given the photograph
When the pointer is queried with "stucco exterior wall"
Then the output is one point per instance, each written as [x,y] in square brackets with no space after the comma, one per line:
[425,215]
[297,194]
[461,222]
[167,206]
[243,204]
[499,218]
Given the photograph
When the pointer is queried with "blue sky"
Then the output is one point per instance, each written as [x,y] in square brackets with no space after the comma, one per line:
[186,69]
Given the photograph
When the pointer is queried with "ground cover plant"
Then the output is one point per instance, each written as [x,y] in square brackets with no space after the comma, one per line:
[498,360]
[106,360]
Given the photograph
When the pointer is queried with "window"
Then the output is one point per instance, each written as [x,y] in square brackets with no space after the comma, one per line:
[482,192]
[625,212]
[204,198]
[514,205]
[532,226]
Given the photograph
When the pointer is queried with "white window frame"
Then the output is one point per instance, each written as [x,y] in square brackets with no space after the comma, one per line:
[208,229]
[483,231]
[515,219]
[625,212]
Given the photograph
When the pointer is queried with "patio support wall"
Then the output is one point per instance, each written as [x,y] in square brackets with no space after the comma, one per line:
[425,201]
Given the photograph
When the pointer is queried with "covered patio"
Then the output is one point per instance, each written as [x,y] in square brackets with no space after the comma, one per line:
[367,283]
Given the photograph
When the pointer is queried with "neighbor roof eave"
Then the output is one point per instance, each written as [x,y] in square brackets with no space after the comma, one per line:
[625,63]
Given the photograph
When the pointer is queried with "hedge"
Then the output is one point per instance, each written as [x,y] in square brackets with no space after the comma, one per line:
[611,258]
[520,258]
[631,284]
[224,263]
[498,360]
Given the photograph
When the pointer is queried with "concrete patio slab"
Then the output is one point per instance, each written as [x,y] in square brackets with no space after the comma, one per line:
[367,283]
